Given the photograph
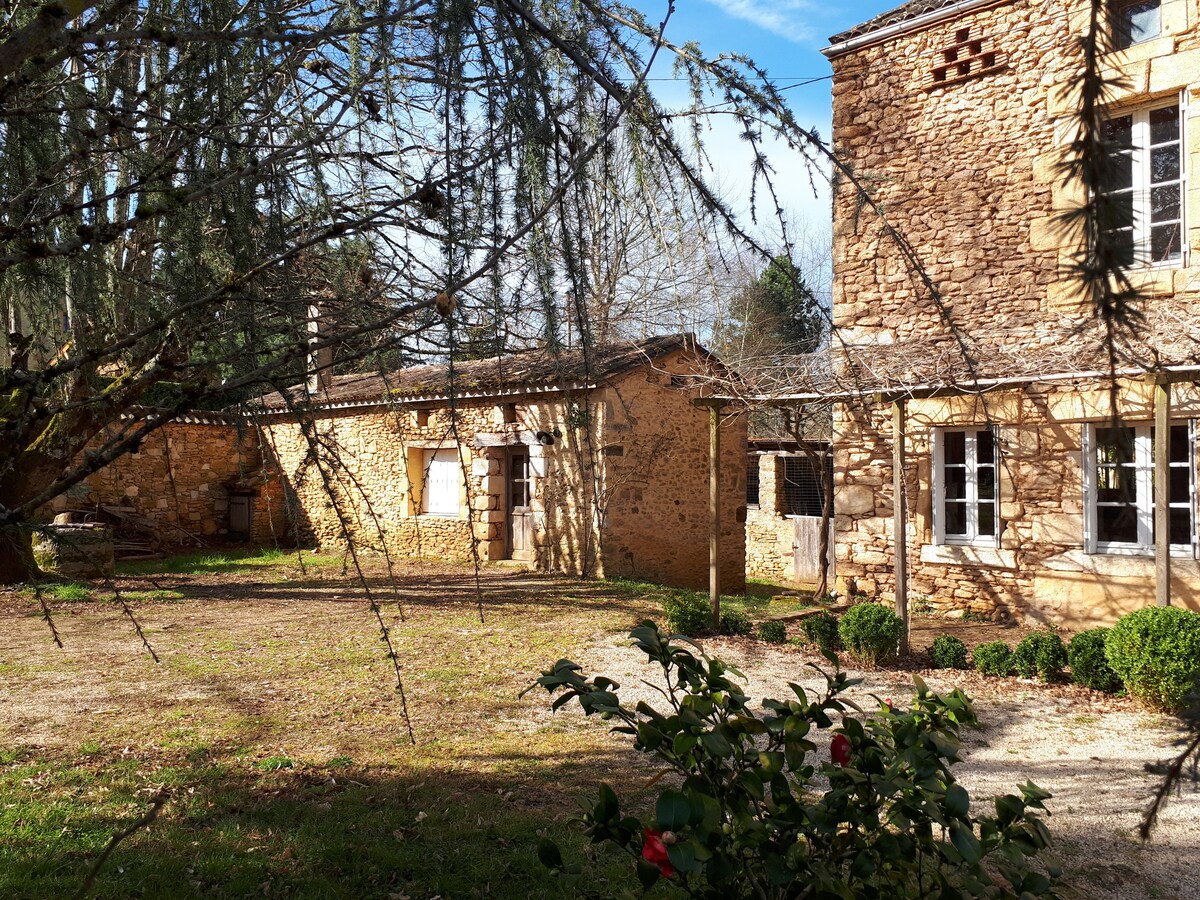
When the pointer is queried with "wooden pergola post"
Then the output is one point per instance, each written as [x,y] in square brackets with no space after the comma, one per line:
[1162,492]
[714,504]
[899,521]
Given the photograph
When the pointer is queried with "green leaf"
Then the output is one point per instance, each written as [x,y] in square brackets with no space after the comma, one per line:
[673,811]
[647,873]
[549,854]
[966,843]
[771,762]
[863,866]
[608,806]
[683,857]
[958,801]
[1009,809]
[716,744]
[683,743]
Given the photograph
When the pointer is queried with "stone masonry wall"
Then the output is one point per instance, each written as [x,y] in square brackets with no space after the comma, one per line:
[656,480]
[181,478]
[967,171]
[769,536]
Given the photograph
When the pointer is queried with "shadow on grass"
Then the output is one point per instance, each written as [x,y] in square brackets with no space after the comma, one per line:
[331,831]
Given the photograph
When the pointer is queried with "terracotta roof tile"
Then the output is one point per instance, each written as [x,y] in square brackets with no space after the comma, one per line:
[901,13]
[527,370]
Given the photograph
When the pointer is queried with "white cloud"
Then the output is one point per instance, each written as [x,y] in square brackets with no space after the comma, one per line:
[784,18]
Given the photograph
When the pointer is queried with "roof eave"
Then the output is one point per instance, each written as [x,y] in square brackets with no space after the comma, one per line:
[898,28]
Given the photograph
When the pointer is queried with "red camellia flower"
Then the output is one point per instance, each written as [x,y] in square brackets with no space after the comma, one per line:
[655,851]
[839,750]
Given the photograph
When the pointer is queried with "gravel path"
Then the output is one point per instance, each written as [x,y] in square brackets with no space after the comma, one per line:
[1088,749]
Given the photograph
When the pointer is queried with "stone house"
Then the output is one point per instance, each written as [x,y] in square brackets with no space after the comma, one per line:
[1026,456]
[595,465]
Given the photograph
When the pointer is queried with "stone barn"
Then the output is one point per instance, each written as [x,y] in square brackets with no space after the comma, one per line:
[587,464]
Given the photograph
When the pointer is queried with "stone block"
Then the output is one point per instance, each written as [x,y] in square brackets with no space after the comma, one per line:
[854,500]
[1174,70]
[1058,528]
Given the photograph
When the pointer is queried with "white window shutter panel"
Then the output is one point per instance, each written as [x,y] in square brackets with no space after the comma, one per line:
[1089,489]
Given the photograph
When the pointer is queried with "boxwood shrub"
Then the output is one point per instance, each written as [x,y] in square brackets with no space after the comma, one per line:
[821,630]
[688,614]
[948,652]
[871,632]
[1089,665]
[1042,654]
[734,621]
[993,658]
[772,632]
[1156,652]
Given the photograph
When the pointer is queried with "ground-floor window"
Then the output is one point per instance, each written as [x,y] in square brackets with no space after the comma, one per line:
[442,477]
[1119,488]
[965,496]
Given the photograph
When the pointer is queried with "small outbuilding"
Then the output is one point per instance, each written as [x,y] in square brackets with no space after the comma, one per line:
[593,464]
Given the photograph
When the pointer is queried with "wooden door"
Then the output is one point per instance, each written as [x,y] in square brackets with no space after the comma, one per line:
[239,516]
[520,516]
[806,548]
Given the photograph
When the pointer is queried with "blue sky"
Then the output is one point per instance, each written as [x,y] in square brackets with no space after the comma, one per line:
[785,37]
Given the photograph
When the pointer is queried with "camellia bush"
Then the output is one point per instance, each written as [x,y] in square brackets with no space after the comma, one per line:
[754,812]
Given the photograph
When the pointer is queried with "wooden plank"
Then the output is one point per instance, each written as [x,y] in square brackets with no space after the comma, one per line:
[1162,493]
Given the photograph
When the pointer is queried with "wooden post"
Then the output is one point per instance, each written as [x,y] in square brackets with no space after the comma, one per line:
[714,513]
[899,523]
[714,405]
[1162,493]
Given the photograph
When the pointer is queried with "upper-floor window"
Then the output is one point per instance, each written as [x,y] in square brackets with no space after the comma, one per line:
[964,508]
[1134,21]
[1119,488]
[1146,185]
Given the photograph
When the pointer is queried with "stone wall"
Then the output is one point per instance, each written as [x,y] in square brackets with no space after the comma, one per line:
[965,164]
[769,535]
[655,449]
[622,489]
[182,478]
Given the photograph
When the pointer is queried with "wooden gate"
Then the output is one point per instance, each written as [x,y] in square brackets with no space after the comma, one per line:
[806,548]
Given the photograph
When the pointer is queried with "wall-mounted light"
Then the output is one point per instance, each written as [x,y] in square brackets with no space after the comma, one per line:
[545,438]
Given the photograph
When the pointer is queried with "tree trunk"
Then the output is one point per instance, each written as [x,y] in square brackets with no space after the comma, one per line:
[16,556]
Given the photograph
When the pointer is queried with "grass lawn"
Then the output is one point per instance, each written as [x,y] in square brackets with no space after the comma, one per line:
[274,721]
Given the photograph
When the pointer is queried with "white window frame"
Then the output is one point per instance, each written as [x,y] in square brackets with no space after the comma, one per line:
[441,483]
[1140,187]
[1143,465]
[972,537]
